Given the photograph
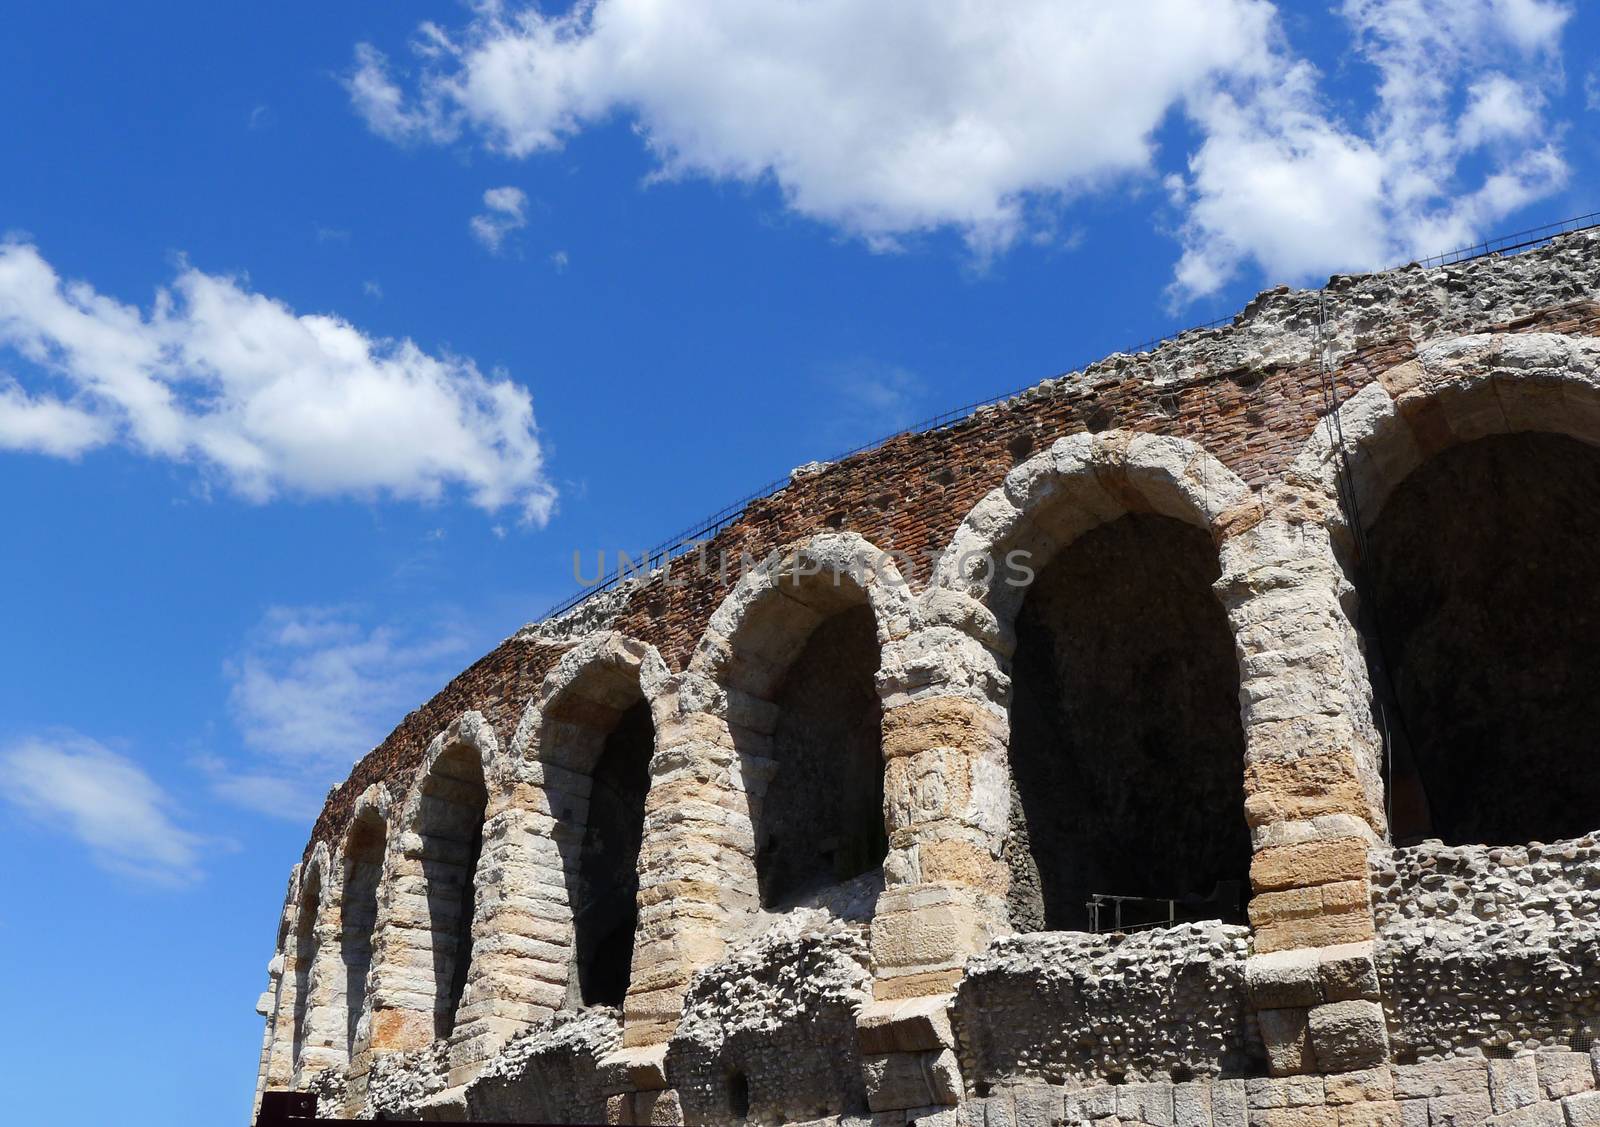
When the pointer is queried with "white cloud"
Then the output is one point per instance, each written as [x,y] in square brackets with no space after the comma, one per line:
[42,425]
[106,801]
[1591,90]
[506,210]
[899,117]
[270,401]
[373,290]
[1282,181]
[886,118]
[313,691]
[560,261]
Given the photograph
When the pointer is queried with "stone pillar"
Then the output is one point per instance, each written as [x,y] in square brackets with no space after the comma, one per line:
[323,1042]
[522,923]
[1313,791]
[697,873]
[947,797]
[267,1007]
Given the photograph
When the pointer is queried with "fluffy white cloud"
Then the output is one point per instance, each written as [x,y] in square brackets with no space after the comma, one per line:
[312,692]
[505,211]
[104,800]
[270,400]
[887,118]
[1282,180]
[897,117]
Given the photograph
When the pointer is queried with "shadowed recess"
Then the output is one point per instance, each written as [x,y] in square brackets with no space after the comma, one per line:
[363,868]
[1485,599]
[822,820]
[1127,752]
[453,803]
[606,906]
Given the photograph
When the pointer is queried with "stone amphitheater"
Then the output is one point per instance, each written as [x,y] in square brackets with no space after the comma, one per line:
[1206,738]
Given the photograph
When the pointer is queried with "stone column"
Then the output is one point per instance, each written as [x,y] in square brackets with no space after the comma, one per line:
[697,872]
[323,1041]
[1313,791]
[522,924]
[947,798]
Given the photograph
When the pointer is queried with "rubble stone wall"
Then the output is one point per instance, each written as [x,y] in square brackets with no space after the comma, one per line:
[1489,947]
[905,993]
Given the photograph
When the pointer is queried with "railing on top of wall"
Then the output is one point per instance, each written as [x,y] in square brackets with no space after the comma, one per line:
[684,542]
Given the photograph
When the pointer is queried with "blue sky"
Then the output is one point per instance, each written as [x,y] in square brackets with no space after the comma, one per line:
[327,335]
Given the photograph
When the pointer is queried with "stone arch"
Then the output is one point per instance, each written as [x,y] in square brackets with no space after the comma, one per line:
[1089,579]
[588,739]
[360,869]
[311,900]
[1472,471]
[423,956]
[793,653]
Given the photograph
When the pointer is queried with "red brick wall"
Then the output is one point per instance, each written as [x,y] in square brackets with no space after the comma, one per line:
[910,495]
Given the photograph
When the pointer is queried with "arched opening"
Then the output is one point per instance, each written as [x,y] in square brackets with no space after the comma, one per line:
[809,647]
[454,799]
[1482,609]
[305,955]
[1127,751]
[605,907]
[363,869]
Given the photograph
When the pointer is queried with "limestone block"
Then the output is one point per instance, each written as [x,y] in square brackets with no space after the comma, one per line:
[1414,1113]
[1228,1104]
[1191,1105]
[1149,1103]
[1459,1111]
[1282,979]
[1036,1106]
[1312,862]
[1084,1105]
[1455,1076]
[999,1111]
[1368,1085]
[1346,1036]
[907,1080]
[1563,1073]
[1513,1083]
[908,1026]
[1544,1114]
[1379,1113]
[1349,972]
[936,1116]
[1304,1116]
[1286,1034]
[1582,1109]
[1288,1091]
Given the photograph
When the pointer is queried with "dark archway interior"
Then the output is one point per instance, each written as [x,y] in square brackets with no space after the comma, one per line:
[453,803]
[821,821]
[1127,752]
[363,867]
[305,955]
[605,909]
[1484,601]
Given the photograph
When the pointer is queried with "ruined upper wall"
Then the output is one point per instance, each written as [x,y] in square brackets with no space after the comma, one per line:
[1249,393]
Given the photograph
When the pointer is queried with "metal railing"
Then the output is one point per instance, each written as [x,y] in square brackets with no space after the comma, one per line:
[683,542]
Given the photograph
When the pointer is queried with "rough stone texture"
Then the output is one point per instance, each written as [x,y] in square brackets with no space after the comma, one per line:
[1489,946]
[772,1027]
[1371,983]
[550,1074]
[1092,1007]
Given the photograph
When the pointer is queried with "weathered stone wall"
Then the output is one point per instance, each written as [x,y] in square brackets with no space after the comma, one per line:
[769,1034]
[903,994]
[1489,947]
[1082,1009]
